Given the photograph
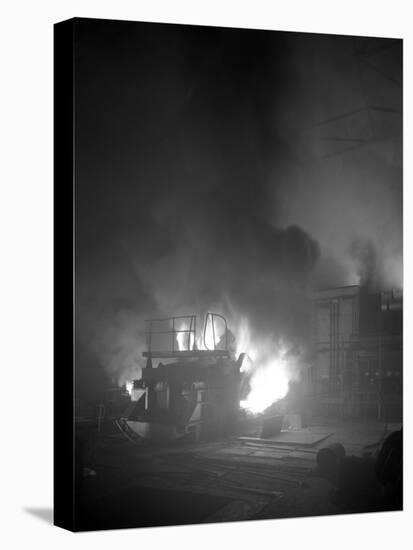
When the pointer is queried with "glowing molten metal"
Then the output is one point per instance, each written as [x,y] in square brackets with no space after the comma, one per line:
[268,366]
[269,383]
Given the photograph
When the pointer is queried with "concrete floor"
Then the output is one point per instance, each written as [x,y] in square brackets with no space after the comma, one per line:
[140,484]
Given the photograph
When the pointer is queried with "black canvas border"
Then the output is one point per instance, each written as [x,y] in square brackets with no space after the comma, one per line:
[63,248]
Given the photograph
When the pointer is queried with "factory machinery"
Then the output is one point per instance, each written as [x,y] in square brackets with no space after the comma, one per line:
[194,390]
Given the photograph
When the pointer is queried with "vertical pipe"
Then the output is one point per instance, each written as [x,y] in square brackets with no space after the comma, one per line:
[150,337]
[173,333]
[190,332]
[213,328]
[331,345]
[379,402]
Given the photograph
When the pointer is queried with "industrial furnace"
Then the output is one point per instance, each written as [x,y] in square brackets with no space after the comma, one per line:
[194,389]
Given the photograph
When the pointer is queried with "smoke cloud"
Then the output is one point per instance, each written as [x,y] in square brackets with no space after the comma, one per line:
[345,184]
[204,184]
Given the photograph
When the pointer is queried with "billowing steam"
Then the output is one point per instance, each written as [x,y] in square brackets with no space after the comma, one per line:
[205,184]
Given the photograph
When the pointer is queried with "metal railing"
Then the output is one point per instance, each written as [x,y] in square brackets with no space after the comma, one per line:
[153,330]
[172,327]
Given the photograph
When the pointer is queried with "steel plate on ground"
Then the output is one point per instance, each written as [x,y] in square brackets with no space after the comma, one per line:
[295,437]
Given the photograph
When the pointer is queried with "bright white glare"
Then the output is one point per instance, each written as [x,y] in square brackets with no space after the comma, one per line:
[269,383]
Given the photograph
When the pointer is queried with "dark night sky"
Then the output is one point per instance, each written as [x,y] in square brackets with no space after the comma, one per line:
[204,177]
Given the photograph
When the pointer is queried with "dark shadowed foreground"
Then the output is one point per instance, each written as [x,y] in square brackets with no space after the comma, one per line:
[125,482]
